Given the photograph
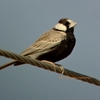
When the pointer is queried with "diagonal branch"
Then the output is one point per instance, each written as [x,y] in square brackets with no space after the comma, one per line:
[50,67]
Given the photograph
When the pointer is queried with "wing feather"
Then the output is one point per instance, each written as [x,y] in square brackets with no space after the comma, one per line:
[45,43]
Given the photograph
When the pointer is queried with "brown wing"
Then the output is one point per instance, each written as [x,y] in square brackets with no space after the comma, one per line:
[45,43]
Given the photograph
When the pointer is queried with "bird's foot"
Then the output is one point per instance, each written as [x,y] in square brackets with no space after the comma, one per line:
[62,69]
[54,65]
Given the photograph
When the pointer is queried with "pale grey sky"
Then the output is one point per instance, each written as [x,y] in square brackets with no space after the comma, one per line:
[22,22]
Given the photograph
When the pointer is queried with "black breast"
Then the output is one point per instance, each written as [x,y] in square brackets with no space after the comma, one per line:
[61,51]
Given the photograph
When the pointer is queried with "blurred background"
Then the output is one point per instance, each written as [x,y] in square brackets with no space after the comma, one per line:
[22,22]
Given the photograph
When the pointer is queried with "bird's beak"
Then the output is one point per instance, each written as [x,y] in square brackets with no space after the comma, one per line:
[72,24]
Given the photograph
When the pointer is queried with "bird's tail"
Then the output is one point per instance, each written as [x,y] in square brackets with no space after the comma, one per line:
[7,64]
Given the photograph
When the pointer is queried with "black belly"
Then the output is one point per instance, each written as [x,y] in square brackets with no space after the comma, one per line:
[58,53]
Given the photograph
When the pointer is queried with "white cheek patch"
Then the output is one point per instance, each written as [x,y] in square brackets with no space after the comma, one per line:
[72,23]
[60,27]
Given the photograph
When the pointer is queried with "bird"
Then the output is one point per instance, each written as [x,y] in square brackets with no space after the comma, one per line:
[52,46]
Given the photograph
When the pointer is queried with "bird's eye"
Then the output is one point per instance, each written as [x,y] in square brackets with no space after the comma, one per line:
[67,23]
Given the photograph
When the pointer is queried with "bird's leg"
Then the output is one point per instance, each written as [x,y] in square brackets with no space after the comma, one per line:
[62,69]
[54,65]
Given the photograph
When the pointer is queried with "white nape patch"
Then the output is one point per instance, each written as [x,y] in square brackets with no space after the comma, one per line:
[60,26]
[72,23]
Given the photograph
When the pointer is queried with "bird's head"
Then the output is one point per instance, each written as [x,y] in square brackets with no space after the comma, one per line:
[65,24]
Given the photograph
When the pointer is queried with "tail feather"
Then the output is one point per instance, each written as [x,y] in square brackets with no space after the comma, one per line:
[18,63]
[7,64]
